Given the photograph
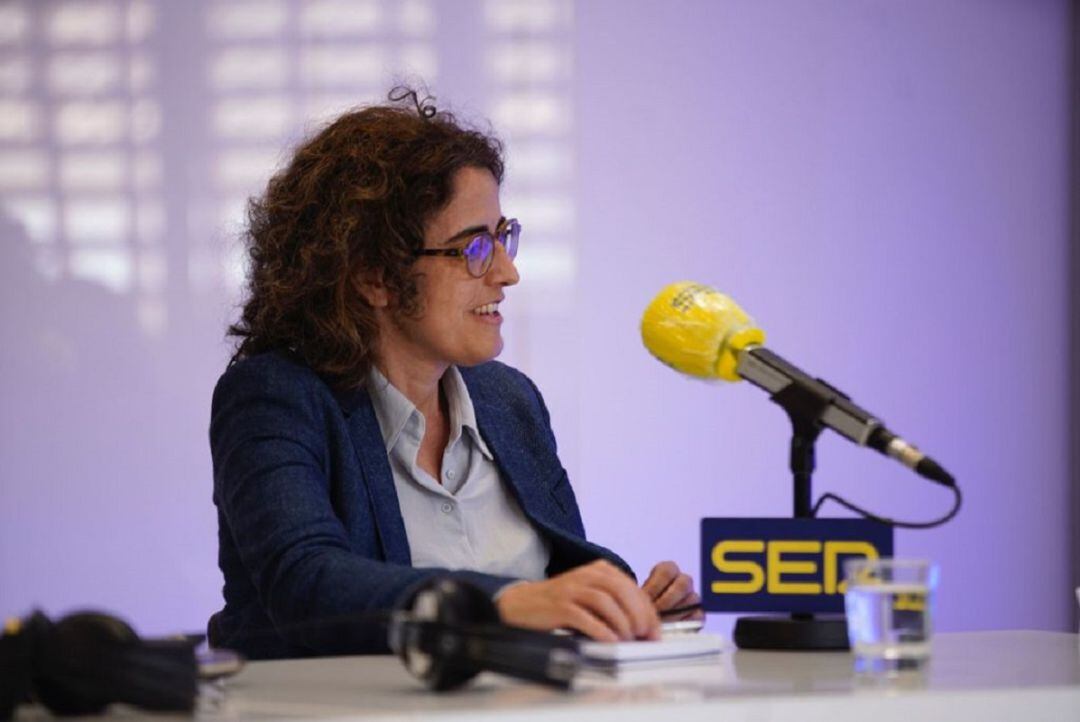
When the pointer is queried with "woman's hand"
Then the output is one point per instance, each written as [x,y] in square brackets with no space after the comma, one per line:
[670,588]
[596,599]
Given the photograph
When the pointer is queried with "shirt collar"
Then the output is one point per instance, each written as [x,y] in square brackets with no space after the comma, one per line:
[462,413]
[394,410]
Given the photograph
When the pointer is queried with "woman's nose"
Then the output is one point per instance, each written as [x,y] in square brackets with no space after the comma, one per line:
[503,271]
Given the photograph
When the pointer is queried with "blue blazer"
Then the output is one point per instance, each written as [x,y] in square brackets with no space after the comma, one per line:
[311,540]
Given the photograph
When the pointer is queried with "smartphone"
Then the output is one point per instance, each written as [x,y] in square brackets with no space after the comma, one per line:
[687,626]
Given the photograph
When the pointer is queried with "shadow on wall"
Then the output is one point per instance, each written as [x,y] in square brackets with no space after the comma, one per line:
[77,426]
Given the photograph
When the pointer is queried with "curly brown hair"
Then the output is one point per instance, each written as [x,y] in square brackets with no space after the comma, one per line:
[351,204]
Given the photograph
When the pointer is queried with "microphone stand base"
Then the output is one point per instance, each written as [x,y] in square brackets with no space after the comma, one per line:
[801,632]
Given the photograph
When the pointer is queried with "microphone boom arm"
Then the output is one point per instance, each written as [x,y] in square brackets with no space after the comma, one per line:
[773,374]
[770,372]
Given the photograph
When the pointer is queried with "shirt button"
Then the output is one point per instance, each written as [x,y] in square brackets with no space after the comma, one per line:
[447,507]
[451,475]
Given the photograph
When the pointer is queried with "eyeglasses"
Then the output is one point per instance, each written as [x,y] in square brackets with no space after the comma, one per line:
[479,250]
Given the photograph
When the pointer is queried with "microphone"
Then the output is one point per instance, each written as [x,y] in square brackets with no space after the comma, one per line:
[699,331]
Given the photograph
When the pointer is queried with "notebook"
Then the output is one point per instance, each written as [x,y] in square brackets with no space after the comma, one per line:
[670,648]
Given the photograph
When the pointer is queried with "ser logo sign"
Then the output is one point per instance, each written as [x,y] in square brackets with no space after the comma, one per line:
[783,565]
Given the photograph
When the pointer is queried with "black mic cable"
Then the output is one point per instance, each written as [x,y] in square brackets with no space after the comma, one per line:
[829,496]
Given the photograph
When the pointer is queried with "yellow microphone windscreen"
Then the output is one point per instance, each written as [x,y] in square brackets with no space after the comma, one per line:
[698,331]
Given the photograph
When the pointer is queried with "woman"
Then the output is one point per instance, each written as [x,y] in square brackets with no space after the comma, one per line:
[363,439]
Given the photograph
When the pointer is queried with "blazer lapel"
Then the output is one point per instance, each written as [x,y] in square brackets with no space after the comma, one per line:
[504,437]
[378,477]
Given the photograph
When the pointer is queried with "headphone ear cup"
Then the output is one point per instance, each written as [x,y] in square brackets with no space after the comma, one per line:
[90,660]
[436,608]
[462,605]
[76,662]
[18,658]
[446,631]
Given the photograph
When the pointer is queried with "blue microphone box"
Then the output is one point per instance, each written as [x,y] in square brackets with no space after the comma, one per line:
[784,565]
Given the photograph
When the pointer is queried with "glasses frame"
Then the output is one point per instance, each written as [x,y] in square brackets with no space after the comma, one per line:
[507,233]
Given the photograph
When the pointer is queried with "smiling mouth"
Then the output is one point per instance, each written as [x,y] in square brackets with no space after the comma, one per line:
[488,309]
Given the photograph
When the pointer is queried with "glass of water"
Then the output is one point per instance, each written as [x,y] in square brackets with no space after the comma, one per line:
[889,605]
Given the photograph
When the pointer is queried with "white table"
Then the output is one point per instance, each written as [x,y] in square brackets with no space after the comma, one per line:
[972,676]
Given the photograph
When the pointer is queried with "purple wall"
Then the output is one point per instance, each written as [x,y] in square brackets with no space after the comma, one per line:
[883,186]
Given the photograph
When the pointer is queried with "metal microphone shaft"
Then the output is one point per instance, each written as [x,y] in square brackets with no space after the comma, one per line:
[772,373]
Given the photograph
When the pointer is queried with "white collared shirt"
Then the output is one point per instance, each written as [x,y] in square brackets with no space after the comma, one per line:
[471,520]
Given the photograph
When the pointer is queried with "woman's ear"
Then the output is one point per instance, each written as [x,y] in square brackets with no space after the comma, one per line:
[373,290]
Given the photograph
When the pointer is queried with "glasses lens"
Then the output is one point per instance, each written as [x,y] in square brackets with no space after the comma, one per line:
[478,254]
[509,237]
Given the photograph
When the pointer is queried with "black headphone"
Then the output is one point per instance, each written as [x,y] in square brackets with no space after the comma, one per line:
[86,661]
[446,632]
